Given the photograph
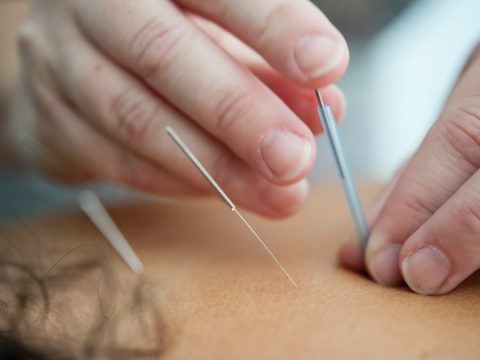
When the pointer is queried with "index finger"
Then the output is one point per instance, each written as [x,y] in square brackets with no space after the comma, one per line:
[157,42]
[294,36]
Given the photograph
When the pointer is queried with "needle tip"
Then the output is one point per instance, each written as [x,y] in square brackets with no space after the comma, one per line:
[319,98]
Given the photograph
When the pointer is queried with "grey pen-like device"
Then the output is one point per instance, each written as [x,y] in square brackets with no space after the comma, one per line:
[348,184]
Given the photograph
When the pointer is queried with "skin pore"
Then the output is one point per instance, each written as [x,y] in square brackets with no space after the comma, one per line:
[216,294]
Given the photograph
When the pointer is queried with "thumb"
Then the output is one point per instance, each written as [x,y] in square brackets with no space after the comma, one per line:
[448,157]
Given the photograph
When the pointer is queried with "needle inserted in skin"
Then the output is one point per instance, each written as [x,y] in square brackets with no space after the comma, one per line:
[349,188]
[222,194]
[265,246]
[93,208]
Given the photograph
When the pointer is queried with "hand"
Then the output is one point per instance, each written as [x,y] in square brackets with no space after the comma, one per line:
[102,79]
[426,227]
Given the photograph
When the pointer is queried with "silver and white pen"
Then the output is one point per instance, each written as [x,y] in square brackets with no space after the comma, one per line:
[348,184]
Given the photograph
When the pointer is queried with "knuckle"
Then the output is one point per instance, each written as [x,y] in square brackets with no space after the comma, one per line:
[153,46]
[462,132]
[232,107]
[467,215]
[133,115]
[278,15]
[416,204]
[462,241]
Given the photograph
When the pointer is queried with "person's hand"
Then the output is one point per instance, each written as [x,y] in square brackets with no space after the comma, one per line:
[102,79]
[426,226]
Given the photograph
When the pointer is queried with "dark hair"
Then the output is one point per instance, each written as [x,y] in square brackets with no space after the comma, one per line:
[12,349]
[36,302]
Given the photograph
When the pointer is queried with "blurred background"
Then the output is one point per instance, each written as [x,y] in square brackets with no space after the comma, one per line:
[405,57]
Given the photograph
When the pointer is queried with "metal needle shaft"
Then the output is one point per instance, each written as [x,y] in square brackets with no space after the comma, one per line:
[349,188]
[266,247]
[93,208]
[222,194]
[199,166]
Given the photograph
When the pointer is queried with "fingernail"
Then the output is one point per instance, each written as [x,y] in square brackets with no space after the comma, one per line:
[286,199]
[317,55]
[384,266]
[285,154]
[426,270]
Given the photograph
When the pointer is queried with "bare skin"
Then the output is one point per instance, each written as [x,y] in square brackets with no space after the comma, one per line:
[101,79]
[220,296]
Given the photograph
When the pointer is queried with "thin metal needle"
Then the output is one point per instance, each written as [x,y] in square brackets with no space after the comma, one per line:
[266,247]
[349,188]
[199,166]
[93,208]
[319,98]
[222,194]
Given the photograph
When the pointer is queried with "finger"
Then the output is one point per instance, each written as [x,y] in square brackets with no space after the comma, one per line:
[350,254]
[293,36]
[302,101]
[56,138]
[446,249]
[71,146]
[226,40]
[127,112]
[224,98]
[448,157]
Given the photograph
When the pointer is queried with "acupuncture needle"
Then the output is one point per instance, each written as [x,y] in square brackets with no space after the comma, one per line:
[346,178]
[96,212]
[222,194]
[93,208]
